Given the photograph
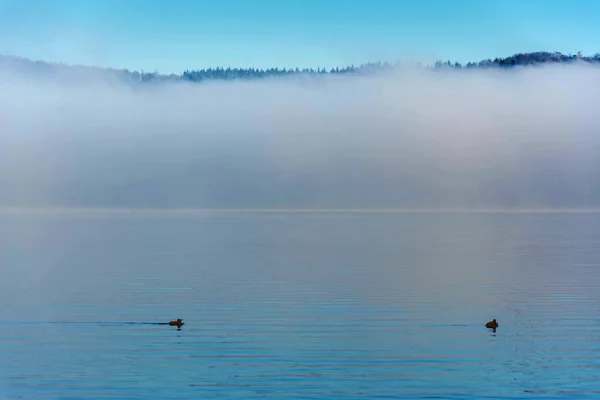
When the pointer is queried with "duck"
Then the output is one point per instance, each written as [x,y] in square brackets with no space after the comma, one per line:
[177,323]
[492,324]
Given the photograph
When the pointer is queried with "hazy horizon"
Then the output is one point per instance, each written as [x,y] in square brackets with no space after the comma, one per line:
[106,210]
[411,139]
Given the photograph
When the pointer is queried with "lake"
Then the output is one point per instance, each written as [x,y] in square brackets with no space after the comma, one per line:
[323,305]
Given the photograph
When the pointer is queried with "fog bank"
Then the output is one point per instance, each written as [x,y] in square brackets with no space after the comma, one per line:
[410,139]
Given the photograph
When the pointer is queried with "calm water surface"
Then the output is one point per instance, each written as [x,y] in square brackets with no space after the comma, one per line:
[300,305]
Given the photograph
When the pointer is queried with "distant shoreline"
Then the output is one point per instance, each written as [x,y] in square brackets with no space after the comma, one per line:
[27,66]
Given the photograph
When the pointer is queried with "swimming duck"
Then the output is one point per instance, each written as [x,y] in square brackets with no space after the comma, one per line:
[177,323]
[492,324]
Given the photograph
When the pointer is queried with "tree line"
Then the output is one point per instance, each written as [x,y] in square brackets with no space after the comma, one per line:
[23,65]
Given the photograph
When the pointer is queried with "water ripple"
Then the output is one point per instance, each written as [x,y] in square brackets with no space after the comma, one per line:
[381,306]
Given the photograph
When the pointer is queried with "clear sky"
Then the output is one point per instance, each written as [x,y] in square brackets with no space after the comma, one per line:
[174,35]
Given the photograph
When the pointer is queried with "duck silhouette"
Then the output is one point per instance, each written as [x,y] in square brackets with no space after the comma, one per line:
[492,324]
[177,323]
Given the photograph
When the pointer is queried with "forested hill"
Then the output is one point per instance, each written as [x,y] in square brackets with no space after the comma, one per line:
[29,67]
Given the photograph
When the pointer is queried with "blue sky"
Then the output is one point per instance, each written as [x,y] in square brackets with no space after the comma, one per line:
[174,35]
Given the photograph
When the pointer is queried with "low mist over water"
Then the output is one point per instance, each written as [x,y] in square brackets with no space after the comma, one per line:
[524,138]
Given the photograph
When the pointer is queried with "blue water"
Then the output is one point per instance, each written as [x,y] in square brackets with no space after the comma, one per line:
[300,305]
